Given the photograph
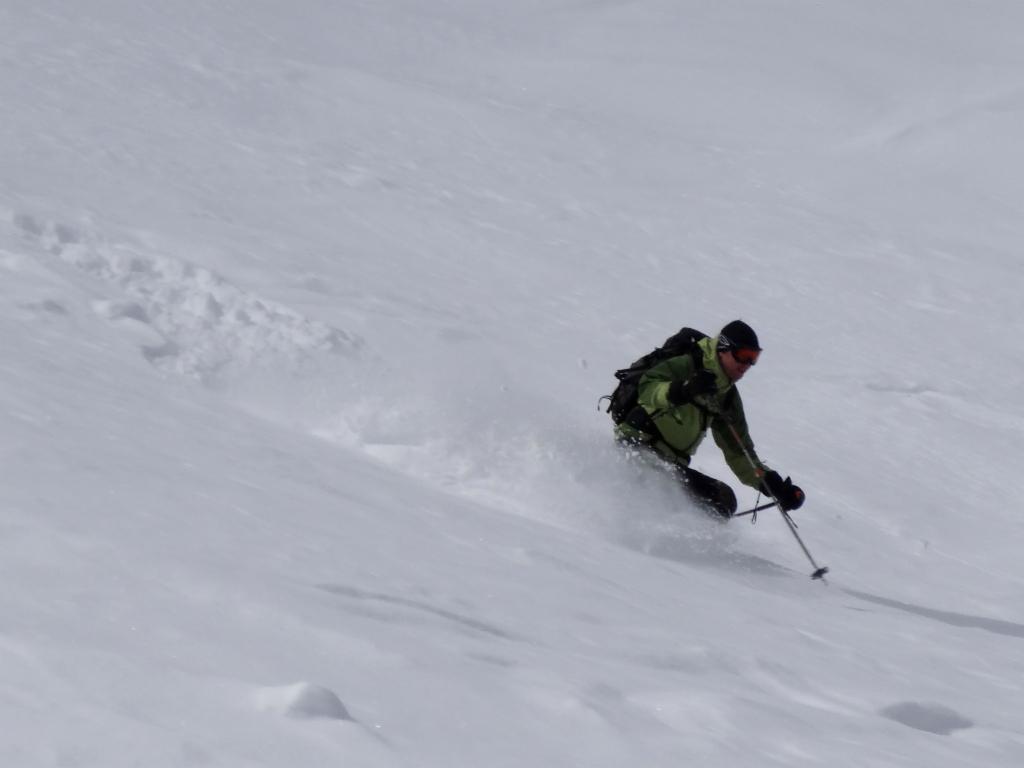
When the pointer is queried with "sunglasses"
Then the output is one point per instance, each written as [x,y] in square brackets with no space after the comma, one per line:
[746,356]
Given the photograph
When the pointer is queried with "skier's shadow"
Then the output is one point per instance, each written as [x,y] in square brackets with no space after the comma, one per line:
[708,554]
[996,626]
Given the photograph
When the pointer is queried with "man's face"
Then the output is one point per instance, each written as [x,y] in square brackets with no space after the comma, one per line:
[734,364]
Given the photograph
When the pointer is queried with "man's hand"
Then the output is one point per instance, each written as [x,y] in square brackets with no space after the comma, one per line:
[789,496]
[703,382]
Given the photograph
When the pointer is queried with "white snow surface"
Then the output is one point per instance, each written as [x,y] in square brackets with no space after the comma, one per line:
[306,308]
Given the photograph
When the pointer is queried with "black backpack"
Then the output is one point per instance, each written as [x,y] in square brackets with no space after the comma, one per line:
[624,398]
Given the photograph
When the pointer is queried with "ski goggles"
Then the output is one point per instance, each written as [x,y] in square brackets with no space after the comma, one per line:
[745,355]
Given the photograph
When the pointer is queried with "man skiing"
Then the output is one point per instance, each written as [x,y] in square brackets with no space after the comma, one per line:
[682,397]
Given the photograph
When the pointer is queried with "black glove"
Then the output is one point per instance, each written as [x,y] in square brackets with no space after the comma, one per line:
[703,382]
[789,496]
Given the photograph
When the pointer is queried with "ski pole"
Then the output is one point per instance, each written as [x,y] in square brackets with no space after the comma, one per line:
[755,510]
[819,571]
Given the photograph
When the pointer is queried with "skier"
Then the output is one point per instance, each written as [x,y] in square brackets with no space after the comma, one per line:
[682,397]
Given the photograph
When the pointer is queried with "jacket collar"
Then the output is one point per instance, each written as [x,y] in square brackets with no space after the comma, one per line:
[710,359]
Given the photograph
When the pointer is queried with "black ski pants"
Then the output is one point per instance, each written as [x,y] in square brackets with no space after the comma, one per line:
[710,494]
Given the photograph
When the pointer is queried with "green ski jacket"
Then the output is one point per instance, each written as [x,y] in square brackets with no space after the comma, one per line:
[683,427]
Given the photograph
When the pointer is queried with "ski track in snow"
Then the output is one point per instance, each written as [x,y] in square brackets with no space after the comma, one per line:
[187,319]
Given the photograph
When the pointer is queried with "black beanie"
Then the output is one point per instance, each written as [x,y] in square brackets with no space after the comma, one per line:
[737,335]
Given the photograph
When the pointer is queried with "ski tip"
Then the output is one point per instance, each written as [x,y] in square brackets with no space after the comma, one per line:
[820,573]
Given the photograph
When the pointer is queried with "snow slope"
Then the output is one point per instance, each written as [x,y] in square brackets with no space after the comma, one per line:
[306,310]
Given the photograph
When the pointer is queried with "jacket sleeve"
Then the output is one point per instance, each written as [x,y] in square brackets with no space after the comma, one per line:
[735,455]
[653,388]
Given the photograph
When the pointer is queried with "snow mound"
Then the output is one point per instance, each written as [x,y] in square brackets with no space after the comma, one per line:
[302,701]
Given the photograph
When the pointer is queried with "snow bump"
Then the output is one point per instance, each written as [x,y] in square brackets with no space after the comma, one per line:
[302,701]
[932,718]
